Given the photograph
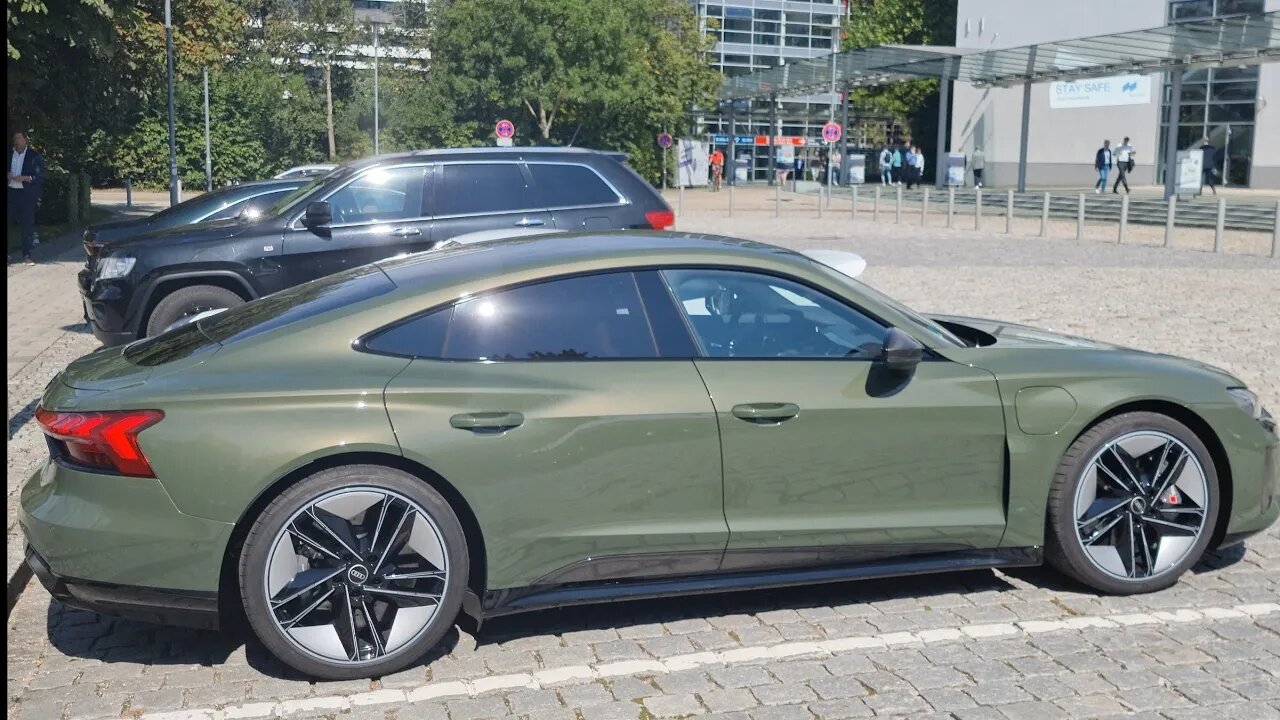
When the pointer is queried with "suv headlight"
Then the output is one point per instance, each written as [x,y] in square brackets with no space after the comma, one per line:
[114,266]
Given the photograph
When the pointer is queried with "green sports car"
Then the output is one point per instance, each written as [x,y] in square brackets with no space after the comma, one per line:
[351,463]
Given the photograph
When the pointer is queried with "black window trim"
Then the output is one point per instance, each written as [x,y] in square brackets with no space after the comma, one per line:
[361,343]
[426,167]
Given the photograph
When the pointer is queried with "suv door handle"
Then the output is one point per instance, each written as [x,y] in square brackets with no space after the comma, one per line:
[530,222]
[406,232]
[766,413]
[487,421]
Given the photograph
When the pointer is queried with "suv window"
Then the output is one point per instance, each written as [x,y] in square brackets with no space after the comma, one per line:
[380,195]
[739,314]
[475,188]
[570,185]
[591,317]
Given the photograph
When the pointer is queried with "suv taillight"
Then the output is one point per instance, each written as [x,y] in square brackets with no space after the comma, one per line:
[102,440]
[660,219]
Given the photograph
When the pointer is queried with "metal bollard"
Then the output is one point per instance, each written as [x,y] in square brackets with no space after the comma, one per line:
[179,189]
[898,211]
[977,209]
[777,199]
[1124,217]
[1044,217]
[1168,221]
[1275,234]
[875,214]
[819,202]
[1222,223]
[951,206]
[680,206]
[853,206]
[1008,213]
[1080,217]
[128,194]
[924,208]
[731,186]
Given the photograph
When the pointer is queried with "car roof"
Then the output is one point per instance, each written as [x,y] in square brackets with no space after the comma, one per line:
[543,254]
[485,152]
[272,182]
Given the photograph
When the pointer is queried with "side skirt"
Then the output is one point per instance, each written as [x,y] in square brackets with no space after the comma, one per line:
[514,600]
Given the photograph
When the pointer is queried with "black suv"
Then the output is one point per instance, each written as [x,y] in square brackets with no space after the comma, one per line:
[361,212]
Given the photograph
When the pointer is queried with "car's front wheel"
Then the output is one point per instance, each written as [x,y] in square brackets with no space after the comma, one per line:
[354,572]
[1133,505]
[188,302]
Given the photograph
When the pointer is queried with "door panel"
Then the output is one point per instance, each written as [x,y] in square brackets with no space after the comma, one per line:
[857,465]
[476,196]
[609,459]
[377,216]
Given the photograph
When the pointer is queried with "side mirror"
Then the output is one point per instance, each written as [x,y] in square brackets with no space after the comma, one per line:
[901,352]
[318,215]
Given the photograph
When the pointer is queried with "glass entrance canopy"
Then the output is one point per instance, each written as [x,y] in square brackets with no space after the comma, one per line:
[1242,40]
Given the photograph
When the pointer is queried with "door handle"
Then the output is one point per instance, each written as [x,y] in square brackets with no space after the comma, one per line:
[406,232]
[766,413]
[487,421]
[530,222]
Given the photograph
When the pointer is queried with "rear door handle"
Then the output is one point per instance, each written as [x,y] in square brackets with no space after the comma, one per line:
[406,232]
[766,413]
[487,421]
[530,222]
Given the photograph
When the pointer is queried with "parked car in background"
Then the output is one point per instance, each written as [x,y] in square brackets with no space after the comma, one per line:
[551,420]
[306,171]
[364,211]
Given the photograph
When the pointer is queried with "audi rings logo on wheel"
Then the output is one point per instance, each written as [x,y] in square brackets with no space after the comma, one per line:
[357,574]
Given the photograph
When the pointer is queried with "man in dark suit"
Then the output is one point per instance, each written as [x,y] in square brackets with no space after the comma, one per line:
[1210,164]
[26,179]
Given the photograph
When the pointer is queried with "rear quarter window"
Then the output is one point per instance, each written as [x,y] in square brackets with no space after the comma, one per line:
[569,185]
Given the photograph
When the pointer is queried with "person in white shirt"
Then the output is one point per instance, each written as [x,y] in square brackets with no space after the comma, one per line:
[1124,166]
[26,178]
[919,165]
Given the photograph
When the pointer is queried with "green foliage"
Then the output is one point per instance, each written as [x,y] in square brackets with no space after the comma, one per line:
[60,199]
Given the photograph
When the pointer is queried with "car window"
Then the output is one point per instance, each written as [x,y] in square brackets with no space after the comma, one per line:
[590,317]
[259,201]
[566,185]
[379,195]
[421,336]
[473,188]
[740,314]
[188,210]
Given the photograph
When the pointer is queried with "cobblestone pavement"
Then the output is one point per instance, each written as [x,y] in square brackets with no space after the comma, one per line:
[1024,644]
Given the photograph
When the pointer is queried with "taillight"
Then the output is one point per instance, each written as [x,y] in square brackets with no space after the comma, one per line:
[105,440]
[660,219]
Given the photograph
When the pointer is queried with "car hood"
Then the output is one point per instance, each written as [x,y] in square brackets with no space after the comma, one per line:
[117,229]
[185,234]
[1009,335]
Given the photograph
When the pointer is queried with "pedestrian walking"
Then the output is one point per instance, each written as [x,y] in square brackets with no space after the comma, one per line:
[919,166]
[26,180]
[1210,164]
[895,162]
[717,169]
[909,166]
[886,166]
[1124,166]
[978,163]
[1102,162]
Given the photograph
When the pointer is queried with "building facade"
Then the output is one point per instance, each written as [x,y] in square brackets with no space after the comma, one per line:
[1069,122]
[755,35]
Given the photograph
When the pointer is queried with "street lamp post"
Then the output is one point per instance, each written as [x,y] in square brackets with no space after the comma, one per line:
[208,146]
[375,88]
[173,134]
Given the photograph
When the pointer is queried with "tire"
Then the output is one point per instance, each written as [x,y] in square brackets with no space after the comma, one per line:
[1190,502]
[188,301]
[406,625]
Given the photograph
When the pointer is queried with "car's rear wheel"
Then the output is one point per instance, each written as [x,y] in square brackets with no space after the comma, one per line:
[188,302]
[354,572]
[1133,505]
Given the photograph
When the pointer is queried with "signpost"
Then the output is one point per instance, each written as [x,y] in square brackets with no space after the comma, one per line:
[831,132]
[664,141]
[505,130]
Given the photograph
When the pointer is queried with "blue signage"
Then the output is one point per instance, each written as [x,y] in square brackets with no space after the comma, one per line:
[720,139]
[744,139]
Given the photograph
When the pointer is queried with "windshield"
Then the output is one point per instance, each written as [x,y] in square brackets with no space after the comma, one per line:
[939,333]
[288,202]
[195,207]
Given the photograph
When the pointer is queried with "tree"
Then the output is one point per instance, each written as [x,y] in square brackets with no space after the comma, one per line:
[315,32]
[606,73]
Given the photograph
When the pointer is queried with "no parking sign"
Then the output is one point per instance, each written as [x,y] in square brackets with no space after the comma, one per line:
[831,132]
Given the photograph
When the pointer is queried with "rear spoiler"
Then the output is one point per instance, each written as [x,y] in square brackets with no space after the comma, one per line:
[615,155]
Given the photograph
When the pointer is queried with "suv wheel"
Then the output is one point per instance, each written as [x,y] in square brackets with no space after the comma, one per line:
[1133,505]
[188,302]
[354,572]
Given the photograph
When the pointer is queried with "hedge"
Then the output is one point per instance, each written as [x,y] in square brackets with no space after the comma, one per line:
[65,198]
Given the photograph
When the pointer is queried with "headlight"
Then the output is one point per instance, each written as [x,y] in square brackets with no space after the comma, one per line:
[1247,400]
[114,266]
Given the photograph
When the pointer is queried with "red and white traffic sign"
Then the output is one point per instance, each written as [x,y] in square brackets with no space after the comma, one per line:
[831,132]
[665,140]
[505,129]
